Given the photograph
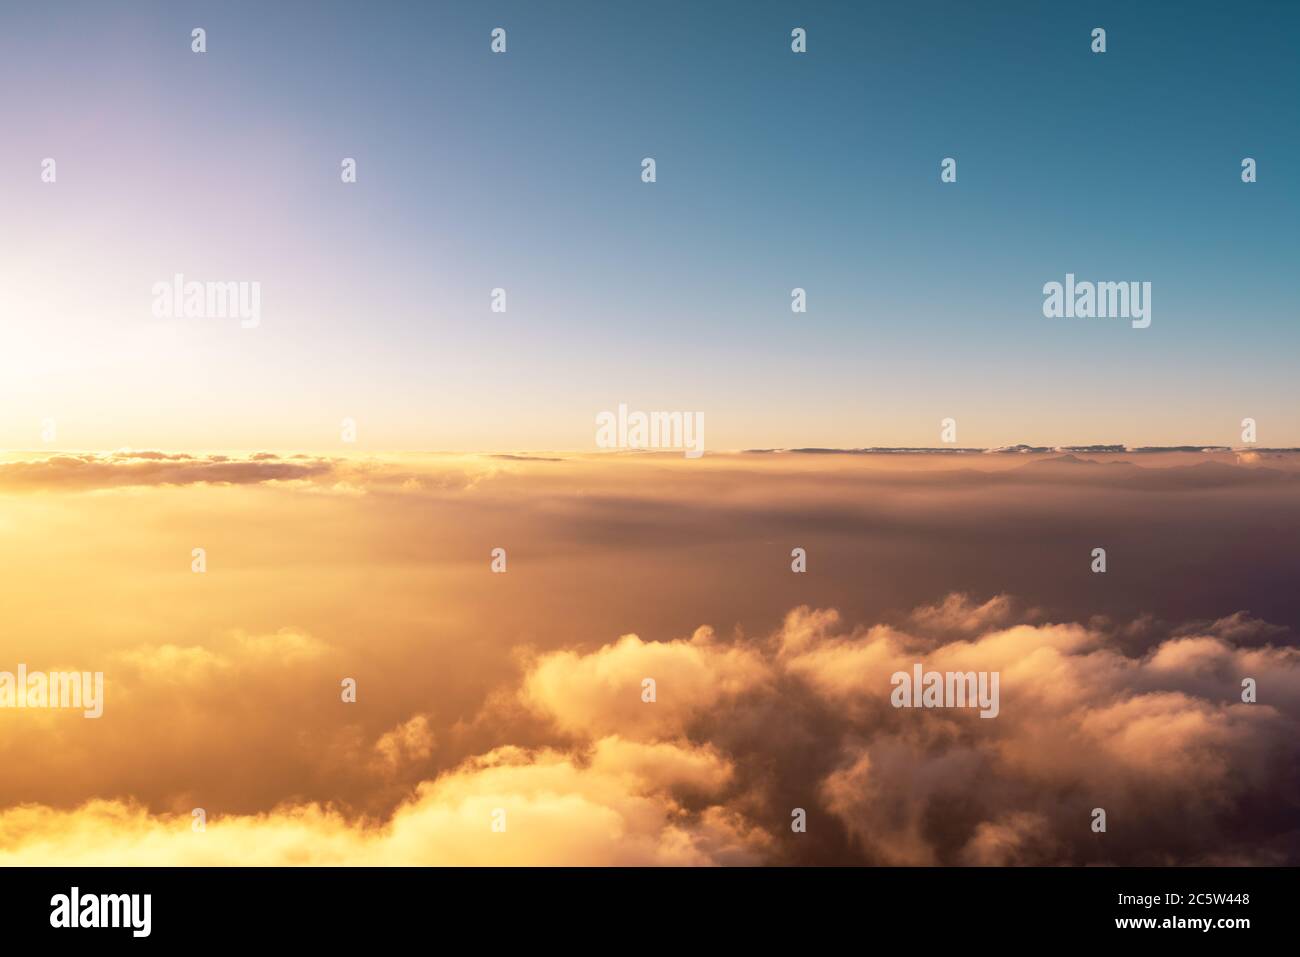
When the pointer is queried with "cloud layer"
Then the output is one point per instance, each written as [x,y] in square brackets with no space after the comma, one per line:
[705,773]
[525,693]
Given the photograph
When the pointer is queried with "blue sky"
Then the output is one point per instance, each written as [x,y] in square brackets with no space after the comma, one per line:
[775,170]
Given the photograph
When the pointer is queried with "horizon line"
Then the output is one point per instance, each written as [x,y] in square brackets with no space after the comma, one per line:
[1019,449]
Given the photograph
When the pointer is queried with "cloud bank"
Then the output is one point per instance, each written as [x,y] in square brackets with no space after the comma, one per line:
[744,731]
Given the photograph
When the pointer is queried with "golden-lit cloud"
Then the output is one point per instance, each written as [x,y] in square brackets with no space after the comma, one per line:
[88,471]
[1081,725]
[524,692]
[613,805]
[410,741]
[602,692]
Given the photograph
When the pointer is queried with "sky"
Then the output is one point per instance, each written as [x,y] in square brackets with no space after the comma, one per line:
[183,510]
[522,170]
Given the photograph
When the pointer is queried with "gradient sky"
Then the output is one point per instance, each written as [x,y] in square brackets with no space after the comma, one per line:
[522,171]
